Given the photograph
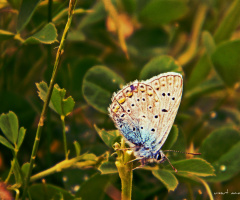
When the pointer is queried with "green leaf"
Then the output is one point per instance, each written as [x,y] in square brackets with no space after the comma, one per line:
[89,156]
[109,137]
[6,143]
[212,148]
[167,178]
[48,191]
[47,35]
[108,168]
[75,36]
[172,138]
[42,91]
[78,72]
[227,166]
[144,47]
[25,168]
[200,71]
[99,83]
[57,103]
[204,65]
[208,86]
[26,11]
[158,12]
[226,61]
[61,105]
[77,148]
[9,126]
[159,65]
[5,35]
[21,135]
[93,17]
[17,172]
[229,23]
[96,183]
[208,42]
[225,157]
[196,166]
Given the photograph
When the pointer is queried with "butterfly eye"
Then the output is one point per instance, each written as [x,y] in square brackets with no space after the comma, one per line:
[163,94]
[158,156]
[173,98]
[168,94]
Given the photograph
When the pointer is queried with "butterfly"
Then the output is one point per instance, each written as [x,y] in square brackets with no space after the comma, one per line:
[144,112]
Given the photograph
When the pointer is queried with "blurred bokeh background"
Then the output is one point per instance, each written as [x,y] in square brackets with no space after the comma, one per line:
[123,37]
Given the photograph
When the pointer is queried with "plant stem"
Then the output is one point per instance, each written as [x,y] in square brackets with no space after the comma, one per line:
[60,51]
[13,163]
[66,164]
[10,172]
[186,56]
[64,137]
[206,187]
[125,171]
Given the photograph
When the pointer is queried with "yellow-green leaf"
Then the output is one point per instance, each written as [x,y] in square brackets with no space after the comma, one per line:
[47,35]
[167,178]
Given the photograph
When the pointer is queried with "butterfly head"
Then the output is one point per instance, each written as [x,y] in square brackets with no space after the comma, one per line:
[160,156]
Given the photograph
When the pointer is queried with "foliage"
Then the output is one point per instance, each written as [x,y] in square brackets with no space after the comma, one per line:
[75,150]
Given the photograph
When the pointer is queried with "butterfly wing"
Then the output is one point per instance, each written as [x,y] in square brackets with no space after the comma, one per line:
[168,87]
[131,109]
[145,111]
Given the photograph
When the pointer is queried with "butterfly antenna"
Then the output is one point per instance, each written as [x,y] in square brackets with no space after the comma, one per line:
[170,163]
[182,152]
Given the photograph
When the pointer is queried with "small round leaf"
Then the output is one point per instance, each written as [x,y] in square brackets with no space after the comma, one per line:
[99,83]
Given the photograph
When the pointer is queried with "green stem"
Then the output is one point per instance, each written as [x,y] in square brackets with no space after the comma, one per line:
[64,137]
[186,56]
[10,172]
[17,192]
[125,171]
[206,187]
[229,23]
[13,163]
[66,164]
[60,51]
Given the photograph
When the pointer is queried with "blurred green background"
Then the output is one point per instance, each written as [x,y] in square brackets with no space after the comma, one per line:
[152,36]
